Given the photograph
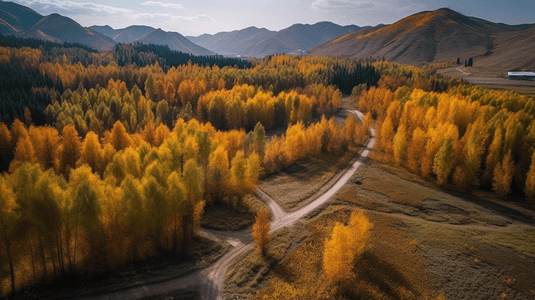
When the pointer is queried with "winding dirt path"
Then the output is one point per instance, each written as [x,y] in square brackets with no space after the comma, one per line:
[211,280]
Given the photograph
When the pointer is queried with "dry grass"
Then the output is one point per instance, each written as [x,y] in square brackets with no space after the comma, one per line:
[251,272]
[491,78]
[475,247]
[297,183]
[221,217]
[426,243]
[389,269]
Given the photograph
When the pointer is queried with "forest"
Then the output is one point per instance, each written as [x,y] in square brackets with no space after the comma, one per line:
[102,152]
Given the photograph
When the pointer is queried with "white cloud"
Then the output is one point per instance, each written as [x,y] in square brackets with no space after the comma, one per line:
[201,17]
[162,4]
[363,5]
[76,6]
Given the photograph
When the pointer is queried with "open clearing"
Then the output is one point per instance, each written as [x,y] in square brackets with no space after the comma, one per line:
[474,248]
[294,185]
[490,79]
[424,242]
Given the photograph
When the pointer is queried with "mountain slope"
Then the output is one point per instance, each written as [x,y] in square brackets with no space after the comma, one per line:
[126,35]
[17,17]
[233,43]
[512,50]
[174,40]
[258,42]
[67,30]
[23,22]
[424,37]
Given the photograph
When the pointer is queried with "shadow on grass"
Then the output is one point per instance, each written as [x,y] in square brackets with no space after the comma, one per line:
[371,270]
[496,208]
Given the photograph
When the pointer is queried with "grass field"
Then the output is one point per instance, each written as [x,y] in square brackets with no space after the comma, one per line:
[490,79]
[427,243]
[294,185]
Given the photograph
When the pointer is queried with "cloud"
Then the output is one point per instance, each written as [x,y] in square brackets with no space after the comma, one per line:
[201,17]
[162,4]
[363,5]
[71,6]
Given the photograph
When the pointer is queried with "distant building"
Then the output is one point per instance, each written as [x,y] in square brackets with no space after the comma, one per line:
[529,75]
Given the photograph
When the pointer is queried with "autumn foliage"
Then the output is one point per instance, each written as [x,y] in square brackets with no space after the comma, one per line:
[130,154]
[260,233]
[345,246]
[459,134]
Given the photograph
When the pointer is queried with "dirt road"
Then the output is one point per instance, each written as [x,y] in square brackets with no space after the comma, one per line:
[210,281]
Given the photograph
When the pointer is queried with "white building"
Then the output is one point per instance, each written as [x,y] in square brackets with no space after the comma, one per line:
[521,75]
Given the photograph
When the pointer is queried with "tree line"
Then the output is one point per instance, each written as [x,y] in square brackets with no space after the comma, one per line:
[468,136]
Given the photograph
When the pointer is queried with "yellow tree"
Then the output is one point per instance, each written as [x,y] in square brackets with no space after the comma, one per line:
[253,171]
[443,159]
[176,195]
[46,143]
[238,178]
[118,137]
[5,147]
[192,180]
[400,145]
[530,180]
[473,151]
[23,152]
[261,229]
[91,152]
[132,199]
[503,175]
[7,216]
[494,154]
[69,151]
[386,136]
[346,245]
[218,174]
[416,150]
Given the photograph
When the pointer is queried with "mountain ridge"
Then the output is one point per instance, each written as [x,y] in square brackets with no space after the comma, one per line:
[257,42]
[425,37]
[24,22]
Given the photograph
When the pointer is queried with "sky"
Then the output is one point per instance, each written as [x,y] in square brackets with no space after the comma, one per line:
[195,17]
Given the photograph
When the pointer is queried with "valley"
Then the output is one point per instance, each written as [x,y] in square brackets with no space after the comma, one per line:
[156,151]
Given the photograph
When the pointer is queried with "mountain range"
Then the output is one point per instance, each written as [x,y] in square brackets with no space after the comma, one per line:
[24,22]
[257,42]
[425,37]
[148,35]
[438,36]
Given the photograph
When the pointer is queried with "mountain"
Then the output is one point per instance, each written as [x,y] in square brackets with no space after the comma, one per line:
[430,36]
[16,17]
[149,35]
[512,50]
[23,22]
[126,35]
[174,40]
[234,42]
[257,42]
